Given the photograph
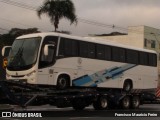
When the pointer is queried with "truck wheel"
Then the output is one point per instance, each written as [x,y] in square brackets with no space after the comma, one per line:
[79,104]
[135,102]
[63,82]
[101,103]
[127,86]
[125,103]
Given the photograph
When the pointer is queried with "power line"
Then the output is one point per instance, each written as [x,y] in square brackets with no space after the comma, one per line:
[101,24]
[23,5]
[18,4]
[91,22]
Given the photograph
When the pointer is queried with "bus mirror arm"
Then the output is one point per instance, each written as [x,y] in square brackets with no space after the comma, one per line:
[46,49]
[5,51]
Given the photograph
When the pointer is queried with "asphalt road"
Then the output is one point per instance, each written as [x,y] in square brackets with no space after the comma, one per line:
[48,112]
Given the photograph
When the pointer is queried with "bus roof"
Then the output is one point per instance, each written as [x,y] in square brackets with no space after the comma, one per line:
[87,39]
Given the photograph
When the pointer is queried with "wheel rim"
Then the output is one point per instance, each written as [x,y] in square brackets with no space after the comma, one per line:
[126,102]
[127,86]
[104,103]
[62,83]
[135,102]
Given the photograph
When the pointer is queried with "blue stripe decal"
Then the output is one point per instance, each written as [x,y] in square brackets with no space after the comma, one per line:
[102,76]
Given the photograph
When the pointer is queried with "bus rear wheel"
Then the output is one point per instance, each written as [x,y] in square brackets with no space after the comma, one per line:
[63,82]
[127,87]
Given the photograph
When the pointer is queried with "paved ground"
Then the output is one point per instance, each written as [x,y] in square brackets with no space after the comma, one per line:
[89,113]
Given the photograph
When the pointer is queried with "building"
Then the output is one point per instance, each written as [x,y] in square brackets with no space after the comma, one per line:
[138,36]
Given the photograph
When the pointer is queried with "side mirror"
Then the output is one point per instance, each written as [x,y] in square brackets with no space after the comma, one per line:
[46,49]
[5,51]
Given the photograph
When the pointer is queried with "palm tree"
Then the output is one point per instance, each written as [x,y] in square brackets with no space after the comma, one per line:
[58,9]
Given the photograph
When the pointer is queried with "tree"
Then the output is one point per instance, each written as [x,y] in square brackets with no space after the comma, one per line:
[8,38]
[58,9]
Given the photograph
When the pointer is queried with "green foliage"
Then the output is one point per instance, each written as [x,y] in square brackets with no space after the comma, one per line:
[58,9]
[8,38]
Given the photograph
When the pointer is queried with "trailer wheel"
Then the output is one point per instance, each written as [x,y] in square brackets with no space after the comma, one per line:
[127,86]
[63,82]
[101,103]
[135,102]
[125,102]
[79,104]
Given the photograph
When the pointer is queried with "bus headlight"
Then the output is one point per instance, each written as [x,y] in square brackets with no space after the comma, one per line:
[31,73]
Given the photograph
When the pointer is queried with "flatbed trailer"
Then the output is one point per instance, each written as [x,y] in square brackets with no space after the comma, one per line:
[21,94]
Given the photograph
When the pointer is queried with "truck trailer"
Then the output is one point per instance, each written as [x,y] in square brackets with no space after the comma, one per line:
[65,70]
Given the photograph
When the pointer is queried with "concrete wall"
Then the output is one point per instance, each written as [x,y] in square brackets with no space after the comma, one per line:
[134,38]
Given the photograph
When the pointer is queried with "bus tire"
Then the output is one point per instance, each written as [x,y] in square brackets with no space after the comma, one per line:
[63,82]
[79,104]
[135,102]
[127,86]
[125,102]
[101,103]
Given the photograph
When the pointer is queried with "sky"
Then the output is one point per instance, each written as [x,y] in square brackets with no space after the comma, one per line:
[106,13]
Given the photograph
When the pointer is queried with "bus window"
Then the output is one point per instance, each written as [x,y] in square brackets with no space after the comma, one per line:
[91,50]
[152,59]
[100,52]
[118,54]
[83,52]
[108,53]
[143,57]
[68,47]
[132,56]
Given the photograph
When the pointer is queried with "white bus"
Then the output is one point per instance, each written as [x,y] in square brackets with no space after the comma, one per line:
[64,60]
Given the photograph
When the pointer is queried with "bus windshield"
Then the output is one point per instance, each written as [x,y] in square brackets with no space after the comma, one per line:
[23,53]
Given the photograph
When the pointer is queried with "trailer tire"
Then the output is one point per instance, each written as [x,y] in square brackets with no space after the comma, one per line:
[135,102]
[101,103]
[127,86]
[63,82]
[79,104]
[125,102]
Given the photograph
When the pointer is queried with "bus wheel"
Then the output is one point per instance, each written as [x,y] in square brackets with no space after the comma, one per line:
[135,102]
[125,102]
[101,103]
[63,82]
[127,86]
[79,104]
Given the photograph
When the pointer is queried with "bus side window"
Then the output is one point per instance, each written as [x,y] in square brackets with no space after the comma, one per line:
[152,59]
[108,53]
[83,52]
[118,54]
[74,48]
[131,56]
[61,48]
[68,47]
[143,58]
[91,50]
[100,52]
